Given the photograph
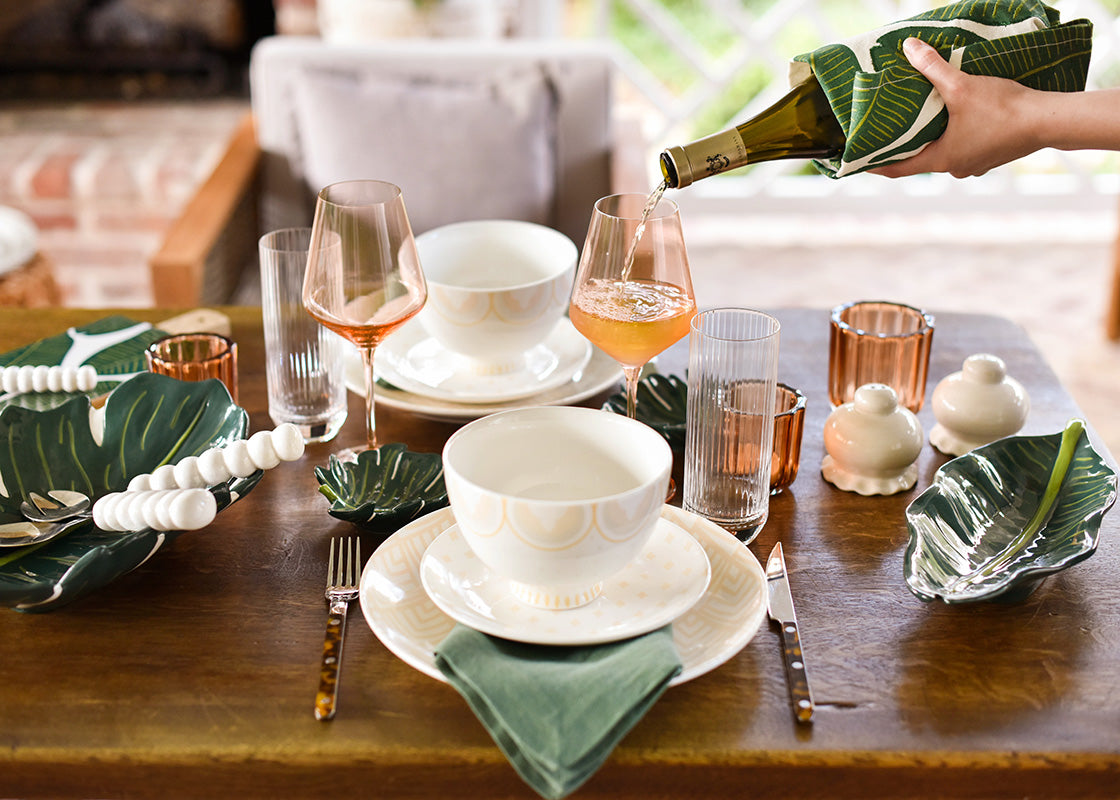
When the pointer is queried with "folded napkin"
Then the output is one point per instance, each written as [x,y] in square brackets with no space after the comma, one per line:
[558,712]
[890,112]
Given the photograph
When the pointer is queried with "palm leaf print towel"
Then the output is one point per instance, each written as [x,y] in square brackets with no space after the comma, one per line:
[889,111]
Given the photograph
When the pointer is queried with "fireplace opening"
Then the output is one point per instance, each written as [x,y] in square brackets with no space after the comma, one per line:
[128,49]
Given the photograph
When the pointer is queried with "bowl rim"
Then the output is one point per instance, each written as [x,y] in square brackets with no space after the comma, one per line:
[568,260]
[657,443]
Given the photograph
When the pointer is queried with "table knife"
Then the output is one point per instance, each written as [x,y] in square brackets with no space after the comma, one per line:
[780,607]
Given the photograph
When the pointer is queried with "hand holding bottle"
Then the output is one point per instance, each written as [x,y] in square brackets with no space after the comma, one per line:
[994,120]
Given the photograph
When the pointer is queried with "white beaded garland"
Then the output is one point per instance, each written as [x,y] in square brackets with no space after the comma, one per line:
[237,459]
[161,510]
[261,450]
[43,378]
[241,458]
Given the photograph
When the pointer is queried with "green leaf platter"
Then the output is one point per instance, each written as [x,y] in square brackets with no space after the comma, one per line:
[998,520]
[146,422]
[385,488]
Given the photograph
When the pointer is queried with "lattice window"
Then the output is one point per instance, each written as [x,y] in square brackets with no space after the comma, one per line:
[694,66]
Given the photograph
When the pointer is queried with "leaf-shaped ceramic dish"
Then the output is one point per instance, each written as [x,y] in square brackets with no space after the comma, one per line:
[999,519]
[114,346]
[385,488]
[146,422]
[662,400]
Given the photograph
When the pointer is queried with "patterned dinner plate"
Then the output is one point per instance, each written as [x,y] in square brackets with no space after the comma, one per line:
[712,631]
[664,581]
[599,374]
[417,363]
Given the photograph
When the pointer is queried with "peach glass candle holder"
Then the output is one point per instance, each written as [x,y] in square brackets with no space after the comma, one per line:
[195,357]
[879,342]
[789,425]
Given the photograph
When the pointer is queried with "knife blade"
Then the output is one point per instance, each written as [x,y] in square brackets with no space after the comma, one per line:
[780,607]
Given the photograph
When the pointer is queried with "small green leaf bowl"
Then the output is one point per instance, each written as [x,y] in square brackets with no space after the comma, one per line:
[662,402]
[998,520]
[385,488]
[146,422]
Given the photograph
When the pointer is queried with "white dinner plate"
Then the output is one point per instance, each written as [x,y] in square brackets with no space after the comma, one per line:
[599,374]
[415,362]
[664,581]
[717,627]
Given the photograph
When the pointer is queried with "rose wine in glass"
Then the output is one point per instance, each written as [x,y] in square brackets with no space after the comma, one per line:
[633,295]
[363,278]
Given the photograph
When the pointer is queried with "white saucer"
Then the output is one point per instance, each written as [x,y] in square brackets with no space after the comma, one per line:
[718,626]
[415,362]
[599,375]
[664,581]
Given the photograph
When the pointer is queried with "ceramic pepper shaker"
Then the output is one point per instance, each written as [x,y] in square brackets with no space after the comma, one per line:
[872,443]
[977,405]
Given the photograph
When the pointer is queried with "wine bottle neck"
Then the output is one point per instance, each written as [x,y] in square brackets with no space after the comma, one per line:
[799,125]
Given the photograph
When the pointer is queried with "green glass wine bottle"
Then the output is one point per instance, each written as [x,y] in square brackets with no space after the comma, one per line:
[800,125]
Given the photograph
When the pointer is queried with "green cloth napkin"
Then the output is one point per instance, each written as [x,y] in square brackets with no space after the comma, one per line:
[889,111]
[558,712]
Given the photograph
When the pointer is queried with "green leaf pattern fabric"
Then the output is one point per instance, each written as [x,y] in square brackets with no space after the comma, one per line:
[890,112]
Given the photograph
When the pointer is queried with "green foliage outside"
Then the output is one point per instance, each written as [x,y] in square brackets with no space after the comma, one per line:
[710,34]
[721,45]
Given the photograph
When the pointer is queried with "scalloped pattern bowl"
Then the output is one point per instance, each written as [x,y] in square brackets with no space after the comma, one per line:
[146,422]
[385,488]
[971,531]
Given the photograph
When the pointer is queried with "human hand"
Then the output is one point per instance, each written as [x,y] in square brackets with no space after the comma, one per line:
[989,120]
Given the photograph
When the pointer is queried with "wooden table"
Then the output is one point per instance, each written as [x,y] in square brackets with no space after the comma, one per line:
[193,676]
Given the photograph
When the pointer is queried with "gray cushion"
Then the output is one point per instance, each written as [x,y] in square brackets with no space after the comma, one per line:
[458,149]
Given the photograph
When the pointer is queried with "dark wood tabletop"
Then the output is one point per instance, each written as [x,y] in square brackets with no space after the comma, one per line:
[194,675]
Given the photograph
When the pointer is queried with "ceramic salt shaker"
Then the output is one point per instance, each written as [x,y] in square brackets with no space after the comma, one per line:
[977,405]
[872,443]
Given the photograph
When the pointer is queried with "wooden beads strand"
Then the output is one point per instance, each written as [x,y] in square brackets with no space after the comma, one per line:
[239,459]
[41,378]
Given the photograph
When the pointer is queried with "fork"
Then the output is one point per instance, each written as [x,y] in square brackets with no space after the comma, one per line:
[342,587]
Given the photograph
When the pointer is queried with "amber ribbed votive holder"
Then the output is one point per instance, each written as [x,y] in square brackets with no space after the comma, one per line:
[195,357]
[789,425]
[875,341]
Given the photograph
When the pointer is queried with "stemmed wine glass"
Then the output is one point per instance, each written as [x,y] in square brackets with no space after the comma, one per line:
[363,278]
[633,292]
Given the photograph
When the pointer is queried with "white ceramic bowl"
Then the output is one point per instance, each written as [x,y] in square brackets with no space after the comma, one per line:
[556,498]
[496,288]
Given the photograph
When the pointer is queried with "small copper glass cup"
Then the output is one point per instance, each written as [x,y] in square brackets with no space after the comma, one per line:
[195,357]
[789,424]
[876,341]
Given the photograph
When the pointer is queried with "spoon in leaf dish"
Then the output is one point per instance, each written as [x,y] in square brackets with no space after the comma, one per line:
[58,505]
[20,534]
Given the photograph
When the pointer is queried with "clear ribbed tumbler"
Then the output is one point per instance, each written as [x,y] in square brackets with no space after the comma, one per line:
[303,360]
[732,386]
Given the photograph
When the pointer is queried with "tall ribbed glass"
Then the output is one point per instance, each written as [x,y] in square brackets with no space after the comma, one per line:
[732,386]
[303,360]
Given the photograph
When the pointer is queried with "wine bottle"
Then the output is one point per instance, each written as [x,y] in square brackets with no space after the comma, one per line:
[800,125]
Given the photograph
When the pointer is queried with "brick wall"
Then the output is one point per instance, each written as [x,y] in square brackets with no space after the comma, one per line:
[103,182]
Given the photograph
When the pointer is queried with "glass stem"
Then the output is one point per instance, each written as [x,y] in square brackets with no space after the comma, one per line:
[632,374]
[371,422]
